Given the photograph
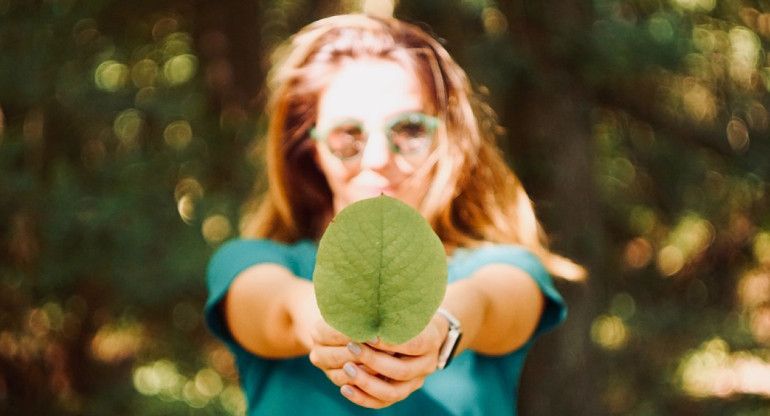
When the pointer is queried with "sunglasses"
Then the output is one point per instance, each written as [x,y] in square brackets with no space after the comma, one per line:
[407,133]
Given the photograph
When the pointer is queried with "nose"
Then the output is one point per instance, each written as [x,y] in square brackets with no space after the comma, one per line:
[376,154]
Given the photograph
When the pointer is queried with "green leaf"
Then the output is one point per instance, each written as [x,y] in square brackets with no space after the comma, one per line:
[380,271]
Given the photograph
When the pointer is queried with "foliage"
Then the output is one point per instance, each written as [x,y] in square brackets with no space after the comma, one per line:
[639,127]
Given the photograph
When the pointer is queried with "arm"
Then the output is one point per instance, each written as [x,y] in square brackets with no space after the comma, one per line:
[270,312]
[499,308]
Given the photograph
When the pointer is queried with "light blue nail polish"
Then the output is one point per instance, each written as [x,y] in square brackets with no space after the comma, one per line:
[350,369]
[354,348]
[347,391]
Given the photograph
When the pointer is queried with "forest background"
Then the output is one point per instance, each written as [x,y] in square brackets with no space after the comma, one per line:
[129,141]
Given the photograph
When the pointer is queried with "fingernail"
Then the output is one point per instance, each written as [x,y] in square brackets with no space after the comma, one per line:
[347,391]
[374,340]
[350,369]
[354,348]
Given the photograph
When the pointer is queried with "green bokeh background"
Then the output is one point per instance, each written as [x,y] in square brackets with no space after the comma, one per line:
[129,141]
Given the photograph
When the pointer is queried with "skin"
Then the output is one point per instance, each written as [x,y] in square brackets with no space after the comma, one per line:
[376,170]
[499,306]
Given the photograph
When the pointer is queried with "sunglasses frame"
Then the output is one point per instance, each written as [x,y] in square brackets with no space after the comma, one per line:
[430,122]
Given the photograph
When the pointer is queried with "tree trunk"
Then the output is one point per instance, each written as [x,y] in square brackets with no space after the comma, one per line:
[551,120]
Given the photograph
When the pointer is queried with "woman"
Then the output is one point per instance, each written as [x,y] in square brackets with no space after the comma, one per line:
[363,106]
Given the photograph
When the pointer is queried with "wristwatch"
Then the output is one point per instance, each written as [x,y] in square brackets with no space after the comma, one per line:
[452,340]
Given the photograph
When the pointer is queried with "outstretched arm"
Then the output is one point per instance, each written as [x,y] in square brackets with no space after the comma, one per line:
[499,308]
[270,311]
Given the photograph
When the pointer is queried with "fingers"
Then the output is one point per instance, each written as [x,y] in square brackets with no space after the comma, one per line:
[369,377]
[323,334]
[391,365]
[327,358]
[329,352]
[372,391]
[376,374]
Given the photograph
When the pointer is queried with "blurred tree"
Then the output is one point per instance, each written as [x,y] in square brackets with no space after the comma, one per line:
[639,127]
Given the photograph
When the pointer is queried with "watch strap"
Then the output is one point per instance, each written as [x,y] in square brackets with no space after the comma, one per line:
[452,340]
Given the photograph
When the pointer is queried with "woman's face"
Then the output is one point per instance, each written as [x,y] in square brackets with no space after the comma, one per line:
[372,133]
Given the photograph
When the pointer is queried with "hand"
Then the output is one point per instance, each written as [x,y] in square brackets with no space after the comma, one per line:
[375,374]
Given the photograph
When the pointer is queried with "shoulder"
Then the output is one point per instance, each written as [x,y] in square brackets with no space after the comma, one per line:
[263,245]
[238,254]
[257,248]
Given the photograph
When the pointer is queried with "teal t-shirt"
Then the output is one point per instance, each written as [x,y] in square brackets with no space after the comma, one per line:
[474,384]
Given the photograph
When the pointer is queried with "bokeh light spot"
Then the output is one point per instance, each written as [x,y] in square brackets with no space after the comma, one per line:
[738,135]
[188,186]
[699,101]
[638,253]
[712,370]
[193,397]
[111,76]
[660,29]
[178,134]
[186,208]
[164,27]
[117,342]
[144,73]
[609,332]
[159,378]
[233,400]
[754,289]
[216,229]
[761,248]
[759,322]
[127,127]
[642,219]
[691,236]
[670,260]
[180,69]
[495,22]
[744,55]
[623,306]
[208,382]
[692,5]
[85,31]
[187,194]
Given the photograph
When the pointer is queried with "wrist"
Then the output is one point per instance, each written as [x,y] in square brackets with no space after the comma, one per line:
[303,312]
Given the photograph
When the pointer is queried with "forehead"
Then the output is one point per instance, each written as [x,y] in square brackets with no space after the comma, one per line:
[370,89]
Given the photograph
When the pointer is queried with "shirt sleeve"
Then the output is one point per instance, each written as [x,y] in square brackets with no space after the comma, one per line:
[225,265]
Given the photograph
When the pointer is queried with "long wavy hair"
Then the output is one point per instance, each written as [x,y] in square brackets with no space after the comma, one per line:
[474,197]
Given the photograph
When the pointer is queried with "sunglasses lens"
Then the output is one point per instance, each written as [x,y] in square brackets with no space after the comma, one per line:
[411,134]
[346,141]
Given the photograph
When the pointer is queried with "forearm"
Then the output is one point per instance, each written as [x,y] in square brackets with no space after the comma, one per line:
[499,308]
[269,311]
